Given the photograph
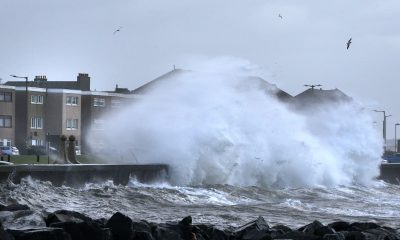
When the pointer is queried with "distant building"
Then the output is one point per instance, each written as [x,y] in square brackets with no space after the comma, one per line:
[82,83]
[7,115]
[317,97]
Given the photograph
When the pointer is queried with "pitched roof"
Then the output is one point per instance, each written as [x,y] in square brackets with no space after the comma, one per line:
[318,96]
[258,82]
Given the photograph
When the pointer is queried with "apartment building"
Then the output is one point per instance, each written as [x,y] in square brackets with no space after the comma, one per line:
[7,115]
[97,107]
[63,115]
[30,114]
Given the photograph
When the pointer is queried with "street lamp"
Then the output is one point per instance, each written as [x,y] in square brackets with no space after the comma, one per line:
[395,137]
[384,125]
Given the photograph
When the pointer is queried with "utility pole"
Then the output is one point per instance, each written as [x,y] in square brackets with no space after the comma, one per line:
[384,126]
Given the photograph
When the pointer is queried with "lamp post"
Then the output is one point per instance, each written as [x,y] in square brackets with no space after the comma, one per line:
[26,95]
[395,137]
[384,125]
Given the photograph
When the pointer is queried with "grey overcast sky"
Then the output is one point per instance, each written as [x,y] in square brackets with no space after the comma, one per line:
[60,38]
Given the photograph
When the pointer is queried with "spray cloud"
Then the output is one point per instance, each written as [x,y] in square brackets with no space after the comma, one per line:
[217,125]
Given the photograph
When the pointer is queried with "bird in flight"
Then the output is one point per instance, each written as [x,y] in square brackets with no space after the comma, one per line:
[279,15]
[119,29]
[348,43]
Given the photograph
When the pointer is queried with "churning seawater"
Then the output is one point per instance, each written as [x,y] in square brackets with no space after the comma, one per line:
[221,205]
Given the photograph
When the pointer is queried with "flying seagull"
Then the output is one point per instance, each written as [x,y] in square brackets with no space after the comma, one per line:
[348,43]
[119,29]
[279,15]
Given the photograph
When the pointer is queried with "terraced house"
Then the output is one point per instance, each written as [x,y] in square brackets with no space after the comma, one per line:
[7,115]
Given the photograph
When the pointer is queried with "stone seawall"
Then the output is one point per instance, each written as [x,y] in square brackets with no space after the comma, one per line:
[76,174]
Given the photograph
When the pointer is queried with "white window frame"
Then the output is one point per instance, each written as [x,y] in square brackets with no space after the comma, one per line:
[4,119]
[99,102]
[36,123]
[5,97]
[116,103]
[37,142]
[7,141]
[72,124]
[72,100]
[37,99]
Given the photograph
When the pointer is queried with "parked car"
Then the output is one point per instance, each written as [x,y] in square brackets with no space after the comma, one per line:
[8,150]
[395,158]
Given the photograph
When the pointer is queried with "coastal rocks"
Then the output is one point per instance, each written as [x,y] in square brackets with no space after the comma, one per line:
[70,225]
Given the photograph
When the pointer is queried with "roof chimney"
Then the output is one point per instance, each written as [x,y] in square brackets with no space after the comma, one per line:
[83,81]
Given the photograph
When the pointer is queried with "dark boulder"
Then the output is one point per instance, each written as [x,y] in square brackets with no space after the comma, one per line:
[181,230]
[257,229]
[340,226]
[84,230]
[279,230]
[382,234]
[121,227]
[335,236]
[212,233]
[360,226]
[40,234]
[298,235]
[66,216]
[353,235]
[143,236]
[5,235]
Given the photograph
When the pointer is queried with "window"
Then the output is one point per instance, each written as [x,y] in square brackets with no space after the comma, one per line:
[5,142]
[115,103]
[37,142]
[72,100]
[5,121]
[99,102]
[5,97]
[36,99]
[72,124]
[98,124]
[37,123]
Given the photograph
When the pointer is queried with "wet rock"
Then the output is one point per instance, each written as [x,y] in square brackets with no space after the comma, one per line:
[186,221]
[212,233]
[340,226]
[66,216]
[298,235]
[279,230]
[121,227]
[14,207]
[381,234]
[5,235]
[353,235]
[257,229]
[181,230]
[143,236]
[84,230]
[335,236]
[40,234]
[317,228]
[360,226]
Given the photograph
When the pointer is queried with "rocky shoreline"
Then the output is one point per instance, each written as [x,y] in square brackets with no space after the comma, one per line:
[70,225]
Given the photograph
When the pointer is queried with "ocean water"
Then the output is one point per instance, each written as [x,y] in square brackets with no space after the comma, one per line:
[220,205]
